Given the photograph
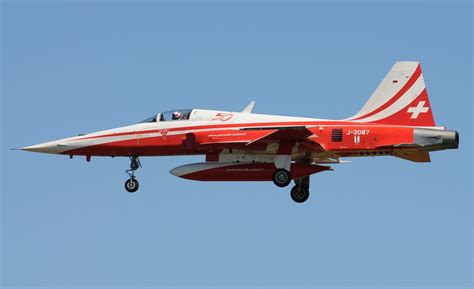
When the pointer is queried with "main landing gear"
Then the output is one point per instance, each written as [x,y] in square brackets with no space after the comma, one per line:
[131,185]
[300,192]
[281,178]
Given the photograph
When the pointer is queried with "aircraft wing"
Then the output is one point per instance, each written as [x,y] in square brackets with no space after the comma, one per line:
[282,134]
[286,137]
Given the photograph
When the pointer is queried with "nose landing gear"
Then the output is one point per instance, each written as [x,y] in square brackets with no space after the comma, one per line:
[131,185]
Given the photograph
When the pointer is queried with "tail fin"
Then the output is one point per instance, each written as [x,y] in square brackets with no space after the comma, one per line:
[400,99]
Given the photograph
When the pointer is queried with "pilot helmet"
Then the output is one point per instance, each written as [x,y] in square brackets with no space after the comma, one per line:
[176,115]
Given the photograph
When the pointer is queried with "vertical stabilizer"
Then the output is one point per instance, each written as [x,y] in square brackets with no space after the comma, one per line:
[400,99]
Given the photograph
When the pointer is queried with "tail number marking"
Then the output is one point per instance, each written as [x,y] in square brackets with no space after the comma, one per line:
[358,132]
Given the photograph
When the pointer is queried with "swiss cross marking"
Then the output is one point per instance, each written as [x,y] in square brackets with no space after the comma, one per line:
[416,110]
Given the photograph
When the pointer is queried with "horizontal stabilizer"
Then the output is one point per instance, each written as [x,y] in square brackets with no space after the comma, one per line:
[414,156]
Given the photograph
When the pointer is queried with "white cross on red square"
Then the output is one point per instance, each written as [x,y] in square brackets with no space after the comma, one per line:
[416,110]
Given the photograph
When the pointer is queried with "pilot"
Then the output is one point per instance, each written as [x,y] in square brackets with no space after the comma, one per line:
[176,115]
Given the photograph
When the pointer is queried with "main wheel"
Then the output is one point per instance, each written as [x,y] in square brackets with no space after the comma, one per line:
[299,194]
[281,178]
[131,185]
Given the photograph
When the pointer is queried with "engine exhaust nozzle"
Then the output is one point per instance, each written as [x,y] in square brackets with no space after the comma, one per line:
[436,139]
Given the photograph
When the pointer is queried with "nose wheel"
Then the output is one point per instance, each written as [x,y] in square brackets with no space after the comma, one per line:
[131,185]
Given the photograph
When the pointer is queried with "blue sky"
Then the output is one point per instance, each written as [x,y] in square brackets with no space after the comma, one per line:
[82,66]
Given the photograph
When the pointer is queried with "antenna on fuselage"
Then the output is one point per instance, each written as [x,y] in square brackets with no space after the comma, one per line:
[249,107]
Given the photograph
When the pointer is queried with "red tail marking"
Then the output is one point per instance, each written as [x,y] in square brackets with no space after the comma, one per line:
[406,116]
[399,94]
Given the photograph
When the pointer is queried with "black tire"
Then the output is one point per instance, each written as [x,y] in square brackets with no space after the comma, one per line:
[299,194]
[131,185]
[281,178]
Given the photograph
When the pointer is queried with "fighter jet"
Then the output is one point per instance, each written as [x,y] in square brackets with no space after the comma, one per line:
[397,120]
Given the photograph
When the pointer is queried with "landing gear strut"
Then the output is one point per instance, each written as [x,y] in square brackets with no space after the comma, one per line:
[300,192]
[131,185]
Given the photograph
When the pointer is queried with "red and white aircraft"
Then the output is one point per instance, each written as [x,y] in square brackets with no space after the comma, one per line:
[397,120]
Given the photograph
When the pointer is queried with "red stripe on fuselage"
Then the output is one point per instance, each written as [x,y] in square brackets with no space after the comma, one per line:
[156,146]
[235,125]
[215,141]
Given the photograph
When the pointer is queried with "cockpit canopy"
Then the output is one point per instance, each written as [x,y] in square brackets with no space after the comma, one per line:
[179,114]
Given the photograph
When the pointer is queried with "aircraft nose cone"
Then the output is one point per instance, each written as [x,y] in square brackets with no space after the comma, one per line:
[48,148]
